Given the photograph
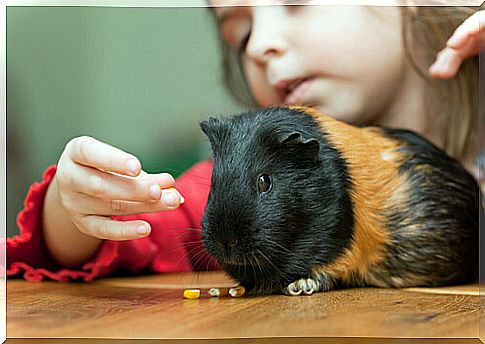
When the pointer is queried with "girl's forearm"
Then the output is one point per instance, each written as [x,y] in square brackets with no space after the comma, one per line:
[67,245]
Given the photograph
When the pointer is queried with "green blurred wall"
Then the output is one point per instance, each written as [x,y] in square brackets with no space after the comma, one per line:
[137,78]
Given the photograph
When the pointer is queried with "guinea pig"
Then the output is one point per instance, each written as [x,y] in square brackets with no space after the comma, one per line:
[300,203]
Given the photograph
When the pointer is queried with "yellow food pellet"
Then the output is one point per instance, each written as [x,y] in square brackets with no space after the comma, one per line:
[216,292]
[191,293]
[237,291]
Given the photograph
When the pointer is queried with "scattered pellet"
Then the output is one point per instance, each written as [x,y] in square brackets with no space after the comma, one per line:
[191,293]
[217,292]
[237,291]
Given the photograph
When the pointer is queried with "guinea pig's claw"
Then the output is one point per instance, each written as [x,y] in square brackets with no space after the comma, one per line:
[309,287]
[305,285]
[293,289]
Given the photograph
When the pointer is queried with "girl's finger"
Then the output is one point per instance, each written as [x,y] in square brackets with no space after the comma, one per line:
[165,180]
[468,30]
[464,43]
[104,228]
[84,204]
[98,184]
[447,64]
[88,151]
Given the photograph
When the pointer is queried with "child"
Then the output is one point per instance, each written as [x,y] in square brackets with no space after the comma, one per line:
[362,65]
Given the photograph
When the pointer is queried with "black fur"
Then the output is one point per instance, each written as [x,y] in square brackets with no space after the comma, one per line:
[304,220]
[443,207]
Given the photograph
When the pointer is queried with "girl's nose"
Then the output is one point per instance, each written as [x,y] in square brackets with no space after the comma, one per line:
[267,37]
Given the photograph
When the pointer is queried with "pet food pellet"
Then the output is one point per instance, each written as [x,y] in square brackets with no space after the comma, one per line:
[216,292]
[191,293]
[237,291]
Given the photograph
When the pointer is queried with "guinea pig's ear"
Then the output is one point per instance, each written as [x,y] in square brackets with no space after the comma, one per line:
[211,128]
[308,147]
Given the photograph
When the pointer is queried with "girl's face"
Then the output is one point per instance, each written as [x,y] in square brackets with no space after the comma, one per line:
[347,61]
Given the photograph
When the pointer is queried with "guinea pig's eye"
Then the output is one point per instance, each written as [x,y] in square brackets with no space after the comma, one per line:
[264,183]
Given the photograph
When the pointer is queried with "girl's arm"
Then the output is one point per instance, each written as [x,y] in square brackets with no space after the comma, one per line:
[173,245]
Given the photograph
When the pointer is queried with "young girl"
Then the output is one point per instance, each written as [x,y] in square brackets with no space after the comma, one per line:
[97,212]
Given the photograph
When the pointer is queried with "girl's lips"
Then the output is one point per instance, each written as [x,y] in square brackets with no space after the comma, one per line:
[297,95]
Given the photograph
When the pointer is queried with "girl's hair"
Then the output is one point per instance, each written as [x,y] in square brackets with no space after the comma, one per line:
[452,104]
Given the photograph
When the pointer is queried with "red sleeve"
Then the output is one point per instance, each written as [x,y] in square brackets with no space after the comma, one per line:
[174,244]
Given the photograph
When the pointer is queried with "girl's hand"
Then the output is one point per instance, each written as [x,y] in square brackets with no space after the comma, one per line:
[466,41]
[95,181]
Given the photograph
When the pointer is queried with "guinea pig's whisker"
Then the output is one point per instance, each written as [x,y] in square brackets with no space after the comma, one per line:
[279,246]
[197,242]
[184,244]
[186,229]
[263,272]
[182,258]
[172,250]
[189,253]
[265,257]
[257,268]
[252,265]
[206,262]
[203,261]
[197,254]
[198,257]
[278,270]
[245,264]
[183,232]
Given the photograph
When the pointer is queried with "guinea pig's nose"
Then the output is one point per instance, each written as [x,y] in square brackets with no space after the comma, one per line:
[227,245]
[232,243]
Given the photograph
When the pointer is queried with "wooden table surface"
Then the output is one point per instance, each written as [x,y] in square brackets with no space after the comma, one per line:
[153,307]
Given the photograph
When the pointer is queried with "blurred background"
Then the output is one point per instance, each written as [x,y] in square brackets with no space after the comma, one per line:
[140,79]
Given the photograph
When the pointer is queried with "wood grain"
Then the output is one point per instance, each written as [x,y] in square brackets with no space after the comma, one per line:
[153,307]
[278,340]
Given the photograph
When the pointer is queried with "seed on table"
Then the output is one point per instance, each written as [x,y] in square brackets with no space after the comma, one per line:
[237,291]
[191,294]
[216,292]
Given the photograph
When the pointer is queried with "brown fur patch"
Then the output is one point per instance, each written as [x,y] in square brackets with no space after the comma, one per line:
[424,169]
[372,162]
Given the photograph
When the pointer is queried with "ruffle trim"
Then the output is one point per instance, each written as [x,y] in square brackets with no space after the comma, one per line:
[28,224]
[89,271]
[31,206]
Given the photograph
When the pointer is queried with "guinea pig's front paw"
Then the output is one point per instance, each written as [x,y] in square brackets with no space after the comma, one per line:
[305,285]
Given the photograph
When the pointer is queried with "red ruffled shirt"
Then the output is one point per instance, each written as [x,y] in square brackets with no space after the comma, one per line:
[173,245]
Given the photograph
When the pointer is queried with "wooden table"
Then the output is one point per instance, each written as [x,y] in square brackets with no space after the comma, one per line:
[153,307]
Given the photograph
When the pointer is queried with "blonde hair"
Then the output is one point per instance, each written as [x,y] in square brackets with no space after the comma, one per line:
[452,104]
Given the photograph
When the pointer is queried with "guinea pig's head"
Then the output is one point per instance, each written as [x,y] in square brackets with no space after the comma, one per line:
[262,203]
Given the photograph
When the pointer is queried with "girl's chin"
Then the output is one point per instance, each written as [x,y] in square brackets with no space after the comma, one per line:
[340,115]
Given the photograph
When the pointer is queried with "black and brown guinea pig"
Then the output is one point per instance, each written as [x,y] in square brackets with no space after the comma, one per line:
[300,202]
